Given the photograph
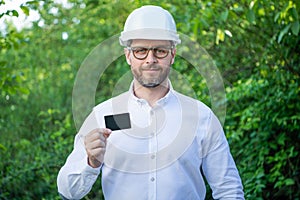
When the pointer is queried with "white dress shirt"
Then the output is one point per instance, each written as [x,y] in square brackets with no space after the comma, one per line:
[159,157]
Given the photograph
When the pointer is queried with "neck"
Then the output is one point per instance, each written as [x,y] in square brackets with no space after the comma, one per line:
[151,95]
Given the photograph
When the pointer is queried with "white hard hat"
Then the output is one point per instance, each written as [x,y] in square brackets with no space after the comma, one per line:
[149,22]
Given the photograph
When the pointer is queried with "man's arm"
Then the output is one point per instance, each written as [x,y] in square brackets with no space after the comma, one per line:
[79,173]
[76,178]
[218,165]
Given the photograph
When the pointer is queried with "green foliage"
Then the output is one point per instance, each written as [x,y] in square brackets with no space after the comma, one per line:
[255,45]
[264,134]
[30,163]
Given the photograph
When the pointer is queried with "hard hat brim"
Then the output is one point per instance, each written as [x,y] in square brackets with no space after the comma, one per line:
[149,34]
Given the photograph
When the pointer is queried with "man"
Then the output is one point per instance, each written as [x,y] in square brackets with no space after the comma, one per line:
[169,140]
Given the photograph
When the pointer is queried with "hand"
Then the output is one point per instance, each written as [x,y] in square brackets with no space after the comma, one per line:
[95,145]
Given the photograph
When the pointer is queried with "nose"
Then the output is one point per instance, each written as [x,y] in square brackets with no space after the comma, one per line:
[151,58]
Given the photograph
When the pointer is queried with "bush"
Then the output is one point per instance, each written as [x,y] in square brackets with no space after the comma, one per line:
[263,130]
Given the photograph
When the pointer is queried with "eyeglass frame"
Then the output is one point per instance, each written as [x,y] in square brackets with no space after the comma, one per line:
[169,48]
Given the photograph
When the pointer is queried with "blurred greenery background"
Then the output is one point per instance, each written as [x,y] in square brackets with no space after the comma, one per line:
[255,45]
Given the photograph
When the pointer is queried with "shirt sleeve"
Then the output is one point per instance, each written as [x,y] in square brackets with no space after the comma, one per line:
[218,165]
[76,178]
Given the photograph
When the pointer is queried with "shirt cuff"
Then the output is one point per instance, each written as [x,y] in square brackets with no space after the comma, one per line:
[87,169]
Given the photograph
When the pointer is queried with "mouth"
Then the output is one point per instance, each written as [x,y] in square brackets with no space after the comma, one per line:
[151,68]
[151,72]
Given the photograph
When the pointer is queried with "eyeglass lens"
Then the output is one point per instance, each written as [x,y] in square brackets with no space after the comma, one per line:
[142,52]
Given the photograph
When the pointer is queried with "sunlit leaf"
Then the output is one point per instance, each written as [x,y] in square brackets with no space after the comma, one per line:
[251,4]
[220,36]
[25,9]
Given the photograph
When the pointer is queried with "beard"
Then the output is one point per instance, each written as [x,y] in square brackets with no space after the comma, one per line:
[151,81]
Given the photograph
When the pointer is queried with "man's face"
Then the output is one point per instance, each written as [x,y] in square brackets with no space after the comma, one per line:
[150,71]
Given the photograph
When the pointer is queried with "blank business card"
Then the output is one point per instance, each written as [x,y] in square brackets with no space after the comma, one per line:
[118,121]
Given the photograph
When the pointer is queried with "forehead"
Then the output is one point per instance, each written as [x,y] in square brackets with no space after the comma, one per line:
[150,43]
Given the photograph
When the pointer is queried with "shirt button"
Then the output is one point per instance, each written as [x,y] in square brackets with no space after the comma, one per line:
[153,156]
[151,112]
[152,179]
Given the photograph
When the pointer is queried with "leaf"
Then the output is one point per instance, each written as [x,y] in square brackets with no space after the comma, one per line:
[195,28]
[295,14]
[13,13]
[283,32]
[220,36]
[2,64]
[204,23]
[295,28]
[276,16]
[25,10]
[224,15]
[289,181]
[251,4]
[2,147]
[24,90]
[251,16]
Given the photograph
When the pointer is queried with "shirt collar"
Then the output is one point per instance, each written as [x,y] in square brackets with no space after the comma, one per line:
[161,101]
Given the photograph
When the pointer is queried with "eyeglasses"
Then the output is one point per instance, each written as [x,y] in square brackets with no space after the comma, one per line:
[142,52]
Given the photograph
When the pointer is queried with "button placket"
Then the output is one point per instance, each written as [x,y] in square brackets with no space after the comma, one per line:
[152,155]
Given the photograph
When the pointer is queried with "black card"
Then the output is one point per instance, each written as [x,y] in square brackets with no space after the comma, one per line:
[118,121]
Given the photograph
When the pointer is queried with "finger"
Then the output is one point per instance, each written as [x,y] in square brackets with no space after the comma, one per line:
[96,153]
[104,130]
[106,133]
[100,134]
[97,144]
[91,138]
[92,135]
[95,134]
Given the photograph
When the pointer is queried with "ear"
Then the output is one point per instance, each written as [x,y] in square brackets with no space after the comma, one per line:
[127,55]
[173,53]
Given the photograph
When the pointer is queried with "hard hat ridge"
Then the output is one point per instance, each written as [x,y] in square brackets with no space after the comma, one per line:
[149,22]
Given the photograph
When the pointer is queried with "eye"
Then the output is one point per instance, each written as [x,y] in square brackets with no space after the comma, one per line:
[161,50]
[140,50]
